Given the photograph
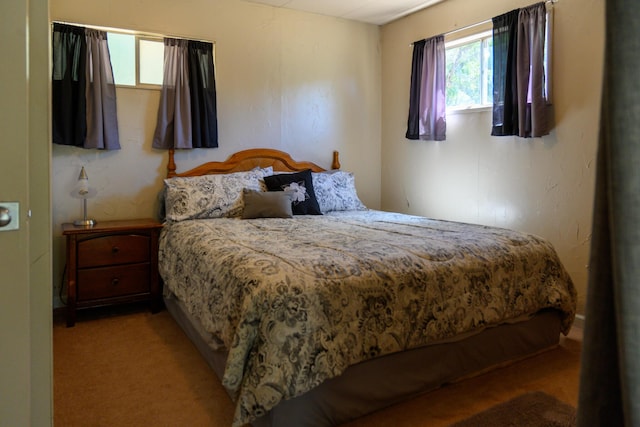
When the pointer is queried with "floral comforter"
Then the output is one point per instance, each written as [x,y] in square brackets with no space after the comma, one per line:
[296,301]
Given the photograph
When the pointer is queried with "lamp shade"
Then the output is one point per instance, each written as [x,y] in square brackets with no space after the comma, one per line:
[83,191]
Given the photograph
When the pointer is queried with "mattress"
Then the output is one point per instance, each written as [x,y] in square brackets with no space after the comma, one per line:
[293,303]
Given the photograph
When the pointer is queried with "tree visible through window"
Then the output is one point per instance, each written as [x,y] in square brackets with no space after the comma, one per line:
[469,72]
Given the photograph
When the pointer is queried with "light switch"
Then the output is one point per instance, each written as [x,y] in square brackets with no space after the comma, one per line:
[9,216]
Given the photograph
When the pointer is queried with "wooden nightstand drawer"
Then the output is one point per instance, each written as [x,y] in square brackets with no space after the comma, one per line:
[109,282]
[112,262]
[112,250]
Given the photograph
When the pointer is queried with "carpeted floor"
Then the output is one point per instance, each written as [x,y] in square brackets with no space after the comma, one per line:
[127,367]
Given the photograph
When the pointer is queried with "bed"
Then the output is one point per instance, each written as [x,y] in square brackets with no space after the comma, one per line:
[314,310]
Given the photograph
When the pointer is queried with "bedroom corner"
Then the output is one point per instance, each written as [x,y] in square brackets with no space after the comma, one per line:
[262,102]
[541,185]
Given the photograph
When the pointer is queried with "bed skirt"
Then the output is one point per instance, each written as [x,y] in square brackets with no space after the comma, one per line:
[384,381]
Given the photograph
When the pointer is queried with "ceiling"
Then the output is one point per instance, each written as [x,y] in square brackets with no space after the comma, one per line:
[377,12]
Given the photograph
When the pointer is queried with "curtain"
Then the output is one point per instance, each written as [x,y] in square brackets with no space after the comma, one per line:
[532,97]
[202,89]
[102,119]
[504,82]
[83,89]
[173,129]
[427,107]
[610,364]
[187,116]
[520,102]
[68,109]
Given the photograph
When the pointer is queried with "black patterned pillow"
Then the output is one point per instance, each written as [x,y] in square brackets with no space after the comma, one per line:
[300,184]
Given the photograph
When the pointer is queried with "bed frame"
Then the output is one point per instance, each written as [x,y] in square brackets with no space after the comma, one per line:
[249,159]
[384,381]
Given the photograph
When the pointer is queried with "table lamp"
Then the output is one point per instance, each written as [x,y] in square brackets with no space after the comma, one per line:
[83,191]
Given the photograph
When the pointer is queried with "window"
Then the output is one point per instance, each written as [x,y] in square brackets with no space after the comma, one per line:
[137,60]
[469,71]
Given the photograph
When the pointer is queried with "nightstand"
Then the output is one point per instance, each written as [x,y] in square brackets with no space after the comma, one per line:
[112,262]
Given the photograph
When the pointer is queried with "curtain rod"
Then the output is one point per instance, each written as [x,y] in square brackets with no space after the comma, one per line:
[486,21]
[139,33]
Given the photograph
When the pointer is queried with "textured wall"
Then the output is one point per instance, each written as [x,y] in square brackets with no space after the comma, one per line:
[543,185]
[298,82]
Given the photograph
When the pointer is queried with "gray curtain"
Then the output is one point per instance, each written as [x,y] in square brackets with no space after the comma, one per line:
[173,129]
[427,104]
[102,120]
[610,367]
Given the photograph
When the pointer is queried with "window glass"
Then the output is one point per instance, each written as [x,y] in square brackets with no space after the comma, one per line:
[137,61]
[464,84]
[469,72]
[122,50]
[151,61]
[487,71]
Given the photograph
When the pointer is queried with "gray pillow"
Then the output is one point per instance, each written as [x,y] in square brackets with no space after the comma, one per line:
[266,204]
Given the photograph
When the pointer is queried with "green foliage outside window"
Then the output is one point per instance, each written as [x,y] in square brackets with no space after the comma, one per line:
[468,74]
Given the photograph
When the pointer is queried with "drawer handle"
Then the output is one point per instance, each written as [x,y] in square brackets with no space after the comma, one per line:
[115,249]
[115,281]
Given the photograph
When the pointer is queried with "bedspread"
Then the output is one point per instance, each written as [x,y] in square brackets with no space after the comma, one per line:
[296,301]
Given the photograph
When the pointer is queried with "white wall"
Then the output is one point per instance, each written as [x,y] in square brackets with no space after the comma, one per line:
[302,83]
[543,185]
[310,84]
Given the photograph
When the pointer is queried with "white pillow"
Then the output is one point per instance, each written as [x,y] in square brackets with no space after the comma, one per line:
[209,196]
[336,191]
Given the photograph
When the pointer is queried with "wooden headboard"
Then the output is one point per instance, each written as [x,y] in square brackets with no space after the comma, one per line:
[249,159]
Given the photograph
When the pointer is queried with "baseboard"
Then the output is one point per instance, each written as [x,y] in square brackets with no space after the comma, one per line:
[59,314]
[579,321]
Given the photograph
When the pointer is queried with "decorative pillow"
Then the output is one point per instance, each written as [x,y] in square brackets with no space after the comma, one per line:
[268,171]
[266,204]
[301,185]
[336,191]
[208,196]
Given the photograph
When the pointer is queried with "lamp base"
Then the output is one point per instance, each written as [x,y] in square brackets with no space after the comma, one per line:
[84,222]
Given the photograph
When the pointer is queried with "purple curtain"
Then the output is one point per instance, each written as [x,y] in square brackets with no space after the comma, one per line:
[533,107]
[427,108]
[102,119]
[187,115]
[520,103]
